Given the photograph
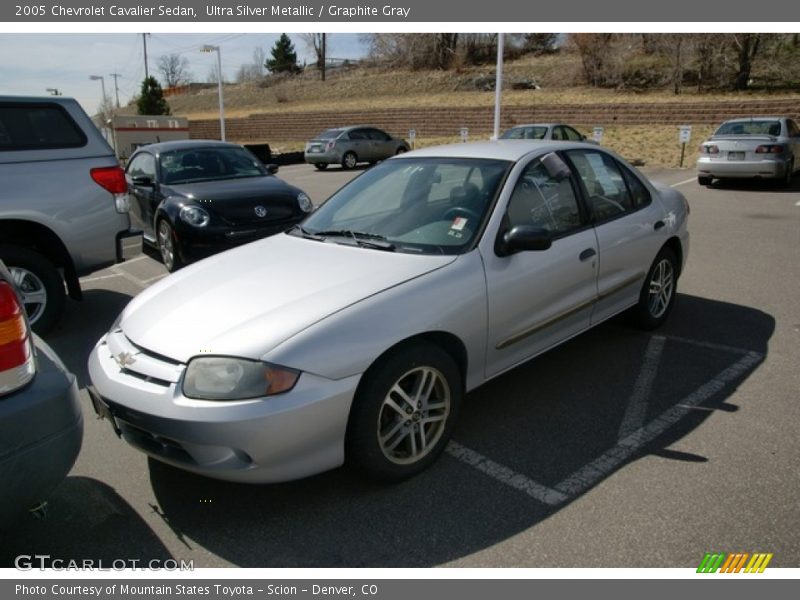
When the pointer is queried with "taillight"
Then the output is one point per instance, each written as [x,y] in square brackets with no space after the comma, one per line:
[16,355]
[770,149]
[111,179]
[709,149]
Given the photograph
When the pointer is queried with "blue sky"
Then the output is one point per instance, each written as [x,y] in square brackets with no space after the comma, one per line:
[30,63]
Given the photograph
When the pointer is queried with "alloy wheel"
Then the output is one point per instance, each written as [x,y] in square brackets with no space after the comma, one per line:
[661,288]
[33,291]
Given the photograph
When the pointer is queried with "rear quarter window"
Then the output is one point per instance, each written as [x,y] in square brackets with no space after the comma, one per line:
[38,127]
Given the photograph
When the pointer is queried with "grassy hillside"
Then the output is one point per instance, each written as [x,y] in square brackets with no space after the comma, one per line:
[366,87]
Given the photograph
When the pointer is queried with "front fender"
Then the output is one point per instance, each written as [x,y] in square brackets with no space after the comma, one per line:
[451,300]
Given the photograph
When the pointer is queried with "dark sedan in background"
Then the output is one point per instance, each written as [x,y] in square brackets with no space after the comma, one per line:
[41,426]
[348,146]
[195,198]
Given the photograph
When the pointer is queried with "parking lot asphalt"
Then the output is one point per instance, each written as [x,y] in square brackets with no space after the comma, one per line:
[618,449]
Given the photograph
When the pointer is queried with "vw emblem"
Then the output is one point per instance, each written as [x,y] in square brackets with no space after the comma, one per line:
[124,359]
[261,211]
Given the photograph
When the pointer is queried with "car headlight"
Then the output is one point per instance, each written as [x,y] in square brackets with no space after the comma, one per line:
[305,202]
[194,215]
[226,378]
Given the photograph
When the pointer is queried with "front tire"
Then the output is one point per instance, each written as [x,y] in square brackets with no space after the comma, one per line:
[321,166]
[167,246]
[403,413]
[40,284]
[658,292]
[349,160]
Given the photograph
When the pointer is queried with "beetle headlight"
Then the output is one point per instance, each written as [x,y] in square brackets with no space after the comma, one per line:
[305,202]
[194,215]
[226,378]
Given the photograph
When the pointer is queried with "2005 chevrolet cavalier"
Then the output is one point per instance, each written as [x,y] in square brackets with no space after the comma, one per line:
[354,336]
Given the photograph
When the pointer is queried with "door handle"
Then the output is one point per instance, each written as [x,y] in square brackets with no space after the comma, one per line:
[587,254]
[658,225]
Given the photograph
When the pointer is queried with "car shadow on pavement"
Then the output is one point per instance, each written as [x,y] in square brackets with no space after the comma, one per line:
[84,520]
[527,444]
[83,324]
[758,185]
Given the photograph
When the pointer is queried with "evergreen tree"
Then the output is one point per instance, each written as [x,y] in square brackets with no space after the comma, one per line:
[151,98]
[284,58]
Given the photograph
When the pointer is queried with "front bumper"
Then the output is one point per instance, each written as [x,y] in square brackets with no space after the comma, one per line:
[277,438]
[41,430]
[734,169]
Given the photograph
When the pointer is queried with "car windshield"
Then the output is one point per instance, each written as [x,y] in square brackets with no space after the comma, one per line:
[329,134]
[208,164]
[419,205]
[525,133]
[750,128]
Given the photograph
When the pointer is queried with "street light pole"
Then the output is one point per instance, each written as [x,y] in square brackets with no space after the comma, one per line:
[498,86]
[102,84]
[209,48]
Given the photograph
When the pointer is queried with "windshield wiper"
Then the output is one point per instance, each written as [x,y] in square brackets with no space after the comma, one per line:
[363,239]
[306,234]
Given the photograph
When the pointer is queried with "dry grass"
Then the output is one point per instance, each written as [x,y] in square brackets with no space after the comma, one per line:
[372,88]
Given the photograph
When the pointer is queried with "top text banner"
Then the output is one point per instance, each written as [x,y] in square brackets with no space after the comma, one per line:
[400,11]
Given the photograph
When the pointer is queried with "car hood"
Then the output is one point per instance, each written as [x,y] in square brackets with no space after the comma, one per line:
[246,301]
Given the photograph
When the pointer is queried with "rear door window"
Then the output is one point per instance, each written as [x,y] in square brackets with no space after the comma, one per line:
[37,127]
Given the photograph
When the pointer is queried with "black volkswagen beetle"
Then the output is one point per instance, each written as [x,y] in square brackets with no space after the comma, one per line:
[197,197]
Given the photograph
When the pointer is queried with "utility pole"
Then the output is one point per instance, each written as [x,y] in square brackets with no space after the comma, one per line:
[144,42]
[324,58]
[116,87]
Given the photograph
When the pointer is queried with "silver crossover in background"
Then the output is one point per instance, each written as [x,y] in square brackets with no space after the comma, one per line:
[765,147]
[355,335]
[348,146]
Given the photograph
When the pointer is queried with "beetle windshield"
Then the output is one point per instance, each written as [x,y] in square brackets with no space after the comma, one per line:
[422,205]
[208,164]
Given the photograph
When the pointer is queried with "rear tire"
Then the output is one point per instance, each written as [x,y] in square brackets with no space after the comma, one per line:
[404,411]
[703,180]
[40,284]
[787,178]
[658,292]
[349,160]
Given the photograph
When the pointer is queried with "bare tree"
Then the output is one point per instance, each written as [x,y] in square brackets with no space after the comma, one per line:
[747,45]
[174,69]
[255,70]
[313,41]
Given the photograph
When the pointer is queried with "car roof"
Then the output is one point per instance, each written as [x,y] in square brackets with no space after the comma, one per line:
[511,150]
[749,119]
[39,99]
[537,125]
[160,147]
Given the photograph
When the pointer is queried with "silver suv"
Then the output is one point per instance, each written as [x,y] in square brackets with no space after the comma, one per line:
[63,202]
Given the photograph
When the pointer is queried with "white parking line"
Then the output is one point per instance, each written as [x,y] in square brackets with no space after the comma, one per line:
[518,481]
[797,203]
[99,277]
[129,277]
[684,182]
[630,443]
[636,410]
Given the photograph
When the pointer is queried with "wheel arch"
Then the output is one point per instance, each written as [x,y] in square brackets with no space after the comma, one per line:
[674,244]
[42,239]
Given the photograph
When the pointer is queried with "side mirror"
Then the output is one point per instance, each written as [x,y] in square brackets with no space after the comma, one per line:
[142,181]
[524,238]
[272,168]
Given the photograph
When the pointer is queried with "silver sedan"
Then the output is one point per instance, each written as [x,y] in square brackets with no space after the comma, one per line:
[764,147]
[348,146]
[354,336]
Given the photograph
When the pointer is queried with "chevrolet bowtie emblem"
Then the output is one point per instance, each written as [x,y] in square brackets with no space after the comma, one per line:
[124,359]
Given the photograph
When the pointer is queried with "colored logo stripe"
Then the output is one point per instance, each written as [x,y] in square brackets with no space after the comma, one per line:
[734,563]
